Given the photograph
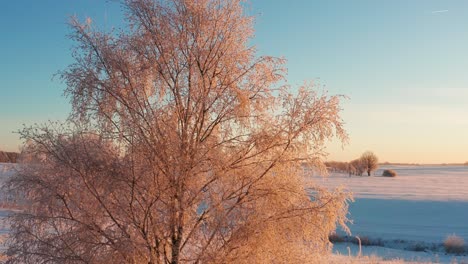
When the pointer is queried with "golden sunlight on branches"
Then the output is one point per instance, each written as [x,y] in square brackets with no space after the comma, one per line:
[183,146]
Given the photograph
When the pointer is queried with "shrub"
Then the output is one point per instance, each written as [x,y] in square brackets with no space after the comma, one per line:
[336,238]
[370,162]
[389,173]
[419,246]
[454,244]
[366,241]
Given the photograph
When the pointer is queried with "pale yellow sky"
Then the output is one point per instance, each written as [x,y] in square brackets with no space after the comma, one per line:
[405,133]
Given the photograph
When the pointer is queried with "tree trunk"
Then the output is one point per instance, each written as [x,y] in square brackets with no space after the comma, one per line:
[175,251]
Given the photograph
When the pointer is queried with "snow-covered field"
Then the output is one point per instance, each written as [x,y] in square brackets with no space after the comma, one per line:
[6,170]
[433,183]
[414,211]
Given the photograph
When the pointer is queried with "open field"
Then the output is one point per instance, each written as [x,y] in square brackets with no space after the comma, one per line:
[405,218]
[409,216]
[427,183]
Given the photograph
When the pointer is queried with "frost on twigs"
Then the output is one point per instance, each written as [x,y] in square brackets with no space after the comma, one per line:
[182,147]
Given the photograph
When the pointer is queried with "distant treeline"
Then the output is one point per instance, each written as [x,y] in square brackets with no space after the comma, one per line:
[368,162]
[355,167]
[8,157]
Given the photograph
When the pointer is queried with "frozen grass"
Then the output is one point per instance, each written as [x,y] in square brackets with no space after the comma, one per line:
[363,240]
[338,259]
[376,254]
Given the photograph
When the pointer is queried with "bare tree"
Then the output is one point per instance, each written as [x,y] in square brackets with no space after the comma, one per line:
[370,161]
[337,166]
[183,146]
[357,167]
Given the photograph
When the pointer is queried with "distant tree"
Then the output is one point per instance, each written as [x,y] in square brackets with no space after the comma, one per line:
[337,166]
[183,146]
[369,161]
[8,157]
[351,169]
[357,166]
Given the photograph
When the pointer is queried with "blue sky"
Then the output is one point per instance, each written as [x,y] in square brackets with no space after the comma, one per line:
[403,64]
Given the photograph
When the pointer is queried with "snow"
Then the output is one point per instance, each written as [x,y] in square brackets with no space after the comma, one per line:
[421,206]
[403,224]
[434,183]
[429,221]
[387,254]
[6,170]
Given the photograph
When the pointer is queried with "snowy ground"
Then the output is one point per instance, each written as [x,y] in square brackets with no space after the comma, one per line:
[391,255]
[6,170]
[415,210]
[433,183]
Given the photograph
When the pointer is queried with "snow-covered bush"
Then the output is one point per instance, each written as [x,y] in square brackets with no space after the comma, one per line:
[454,244]
[389,173]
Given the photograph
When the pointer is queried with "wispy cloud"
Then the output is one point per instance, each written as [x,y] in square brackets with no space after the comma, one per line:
[439,11]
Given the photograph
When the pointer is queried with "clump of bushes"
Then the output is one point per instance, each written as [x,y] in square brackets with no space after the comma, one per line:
[363,241]
[418,246]
[368,162]
[389,173]
[454,244]
[366,241]
[335,238]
